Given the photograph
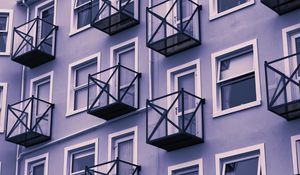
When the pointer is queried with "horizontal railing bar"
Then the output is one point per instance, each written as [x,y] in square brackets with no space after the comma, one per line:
[280,59]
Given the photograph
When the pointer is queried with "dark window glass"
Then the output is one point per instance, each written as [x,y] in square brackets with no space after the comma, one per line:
[228,4]
[84,18]
[245,167]
[3,38]
[298,51]
[80,162]
[194,170]
[38,170]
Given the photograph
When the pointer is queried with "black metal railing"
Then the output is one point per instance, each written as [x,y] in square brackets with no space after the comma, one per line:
[175,29]
[282,6]
[113,92]
[29,122]
[175,120]
[34,42]
[114,167]
[283,86]
[113,17]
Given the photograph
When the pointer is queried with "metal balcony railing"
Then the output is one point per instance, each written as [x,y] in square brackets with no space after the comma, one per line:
[115,16]
[29,122]
[175,29]
[113,92]
[282,6]
[34,43]
[114,167]
[175,120]
[283,86]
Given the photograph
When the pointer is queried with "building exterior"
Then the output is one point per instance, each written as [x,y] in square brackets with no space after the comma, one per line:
[176,87]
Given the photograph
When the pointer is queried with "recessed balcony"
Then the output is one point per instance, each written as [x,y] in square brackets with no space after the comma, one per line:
[282,6]
[173,26]
[113,92]
[114,167]
[115,16]
[283,86]
[34,43]
[175,121]
[29,122]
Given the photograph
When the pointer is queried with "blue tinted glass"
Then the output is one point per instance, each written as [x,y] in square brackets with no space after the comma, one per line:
[228,4]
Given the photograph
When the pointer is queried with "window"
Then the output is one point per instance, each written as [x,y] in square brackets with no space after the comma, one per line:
[220,8]
[126,54]
[194,167]
[235,71]
[187,77]
[6,28]
[78,82]
[37,165]
[78,156]
[123,145]
[295,142]
[3,96]
[81,15]
[244,161]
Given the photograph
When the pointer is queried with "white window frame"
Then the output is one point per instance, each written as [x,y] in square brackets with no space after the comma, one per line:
[9,30]
[43,157]
[0,168]
[68,151]
[198,162]
[113,137]
[294,140]
[42,79]
[213,9]
[217,104]
[119,49]
[71,80]
[258,147]
[3,107]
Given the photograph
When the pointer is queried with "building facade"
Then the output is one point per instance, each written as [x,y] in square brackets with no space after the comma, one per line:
[176,87]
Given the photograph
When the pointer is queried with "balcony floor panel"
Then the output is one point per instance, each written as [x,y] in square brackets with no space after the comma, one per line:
[111,111]
[284,7]
[33,58]
[174,44]
[176,141]
[115,23]
[28,139]
[289,111]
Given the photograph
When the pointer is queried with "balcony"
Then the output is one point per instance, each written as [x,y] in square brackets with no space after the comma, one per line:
[115,16]
[113,92]
[114,167]
[282,6]
[282,81]
[29,122]
[175,29]
[175,120]
[34,43]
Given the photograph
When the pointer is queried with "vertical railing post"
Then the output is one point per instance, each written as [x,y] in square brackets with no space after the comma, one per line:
[117,165]
[109,13]
[267,83]
[147,123]
[36,33]
[88,93]
[180,13]
[119,81]
[31,113]
[182,109]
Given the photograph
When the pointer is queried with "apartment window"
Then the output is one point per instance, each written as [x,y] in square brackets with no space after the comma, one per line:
[220,8]
[81,155]
[6,28]
[3,95]
[123,145]
[295,142]
[37,165]
[78,82]
[235,78]
[250,160]
[194,167]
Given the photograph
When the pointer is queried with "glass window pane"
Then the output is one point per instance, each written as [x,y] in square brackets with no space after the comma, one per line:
[80,98]
[48,17]
[239,92]
[3,39]
[186,9]
[38,170]
[298,51]
[188,83]
[43,93]
[194,170]
[228,4]
[80,161]
[83,72]
[125,153]
[80,2]
[84,18]
[245,167]
[298,153]
[127,59]
[3,22]
[236,65]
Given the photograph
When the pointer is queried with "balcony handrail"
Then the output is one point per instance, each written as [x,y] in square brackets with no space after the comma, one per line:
[280,59]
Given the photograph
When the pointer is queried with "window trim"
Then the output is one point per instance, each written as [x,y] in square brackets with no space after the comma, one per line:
[41,80]
[236,152]
[3,107]
[38,158]
[294,140]
[217,109]
[213,9]
[72,160]
[115,135]
[198,162]
[70,94]
[69,149]
[9,31]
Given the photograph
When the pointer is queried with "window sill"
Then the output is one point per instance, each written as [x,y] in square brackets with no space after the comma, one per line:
[4,54]
[237,108]
[74,32]
[78,111]
[214,14]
